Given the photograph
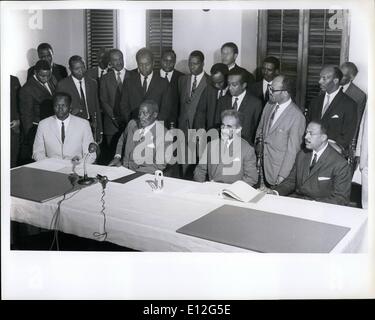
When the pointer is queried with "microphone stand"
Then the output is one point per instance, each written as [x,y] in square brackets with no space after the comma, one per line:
[85,180]
[260,161]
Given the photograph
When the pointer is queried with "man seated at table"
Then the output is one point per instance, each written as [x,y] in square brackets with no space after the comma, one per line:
[143,142]
[230,146]
[319,173]
[63,136]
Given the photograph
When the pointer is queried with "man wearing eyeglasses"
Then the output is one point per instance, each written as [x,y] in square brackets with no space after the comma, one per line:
[320,173]
[282,125]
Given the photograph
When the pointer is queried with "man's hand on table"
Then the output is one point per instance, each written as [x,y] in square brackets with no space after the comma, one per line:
[116,162]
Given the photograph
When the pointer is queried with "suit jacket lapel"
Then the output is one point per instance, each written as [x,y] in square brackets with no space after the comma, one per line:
[322,159]
[243,102]
[335,101]
[54,128]
[153,82]
[306,166]
[73,88]
[281,117]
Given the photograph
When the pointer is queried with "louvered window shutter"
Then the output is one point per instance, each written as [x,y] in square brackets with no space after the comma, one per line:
[159,28]
[101,31]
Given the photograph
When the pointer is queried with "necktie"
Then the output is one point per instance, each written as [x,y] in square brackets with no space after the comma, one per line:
[194,86]
[313,162]
[101,73]
[83,100]
[235,104]
[325,106]
[272,117]
[62,132]
[267,95]
[119,81]
[220,93]
[144,86]
[47,87]
[166,76]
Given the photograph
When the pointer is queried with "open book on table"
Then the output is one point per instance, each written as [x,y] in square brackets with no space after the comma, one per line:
[241,191]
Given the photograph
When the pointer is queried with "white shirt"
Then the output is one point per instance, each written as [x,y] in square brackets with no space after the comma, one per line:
[100,71]
[44,85]
[346,86]
[169,76]
[149,77]
[199,78]
[265,85]
[76,82]
[122,74]
[240,98]
[232,66]
[319,153]
[280,110]
[223,92]
[66,123]
[331,97]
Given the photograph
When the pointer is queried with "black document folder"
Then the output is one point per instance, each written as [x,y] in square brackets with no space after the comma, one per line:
[39,185]
[129,177]
[264,231]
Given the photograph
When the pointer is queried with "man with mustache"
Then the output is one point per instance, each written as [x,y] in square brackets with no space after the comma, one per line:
[319,173]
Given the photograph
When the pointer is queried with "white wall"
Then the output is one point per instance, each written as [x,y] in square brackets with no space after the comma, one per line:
[359,45]
[63,29]
[207,31]
[131,34]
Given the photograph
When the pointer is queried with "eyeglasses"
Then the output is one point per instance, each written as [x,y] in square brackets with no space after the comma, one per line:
[272,90]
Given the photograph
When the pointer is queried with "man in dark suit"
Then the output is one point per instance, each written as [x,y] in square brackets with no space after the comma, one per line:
[15,123]
[229,53]
[244,102]
[319,173]
[335,109]
[141,146]
[45,52]
[35,99]
[84,93]
[350,71]
[167,71]
[111,85]
[270,69]
[102,68]
[143,83]
[217,87]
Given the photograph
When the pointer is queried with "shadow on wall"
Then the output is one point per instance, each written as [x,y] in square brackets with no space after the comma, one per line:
[182,66]
[217,58]
[32,58]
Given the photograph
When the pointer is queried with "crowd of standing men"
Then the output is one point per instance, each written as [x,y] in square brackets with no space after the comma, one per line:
[114,101]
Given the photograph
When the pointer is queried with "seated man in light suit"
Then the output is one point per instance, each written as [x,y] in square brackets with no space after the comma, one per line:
[63,136]
[320,173]
[217,169]
[143,143]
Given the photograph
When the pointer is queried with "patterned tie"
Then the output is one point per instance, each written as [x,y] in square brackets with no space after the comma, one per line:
[83,100]
[313,162]
[144,86]
[194,87]
[267,95]
[235,104]
[62,132]
[325,106]
[272,117]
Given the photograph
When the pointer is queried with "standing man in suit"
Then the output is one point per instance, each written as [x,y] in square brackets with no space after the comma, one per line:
[45,52]
[142,131]
[167,71]
[282,126]
[244,156]
[244,102]
[143,84]
[101,69]
[35,100]
[63,136]
[84,93]
[229,54]
[216,88]
[335,109]
[15,124]
[349,71]
[111,86]
[319,174]
[270,70]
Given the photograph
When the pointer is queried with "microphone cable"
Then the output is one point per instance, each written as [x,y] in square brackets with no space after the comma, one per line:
[103,180]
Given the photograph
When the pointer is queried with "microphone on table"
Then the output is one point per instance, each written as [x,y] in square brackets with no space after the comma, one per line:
[86,180]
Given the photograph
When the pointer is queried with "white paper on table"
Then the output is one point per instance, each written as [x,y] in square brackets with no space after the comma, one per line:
[50,164]
[112,173]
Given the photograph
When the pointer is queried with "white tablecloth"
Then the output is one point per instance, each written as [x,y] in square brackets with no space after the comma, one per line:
[141,219]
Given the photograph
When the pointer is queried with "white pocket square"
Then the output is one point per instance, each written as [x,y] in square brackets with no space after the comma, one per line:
[151,145]
[335,116]
[324,178]
[236,159]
